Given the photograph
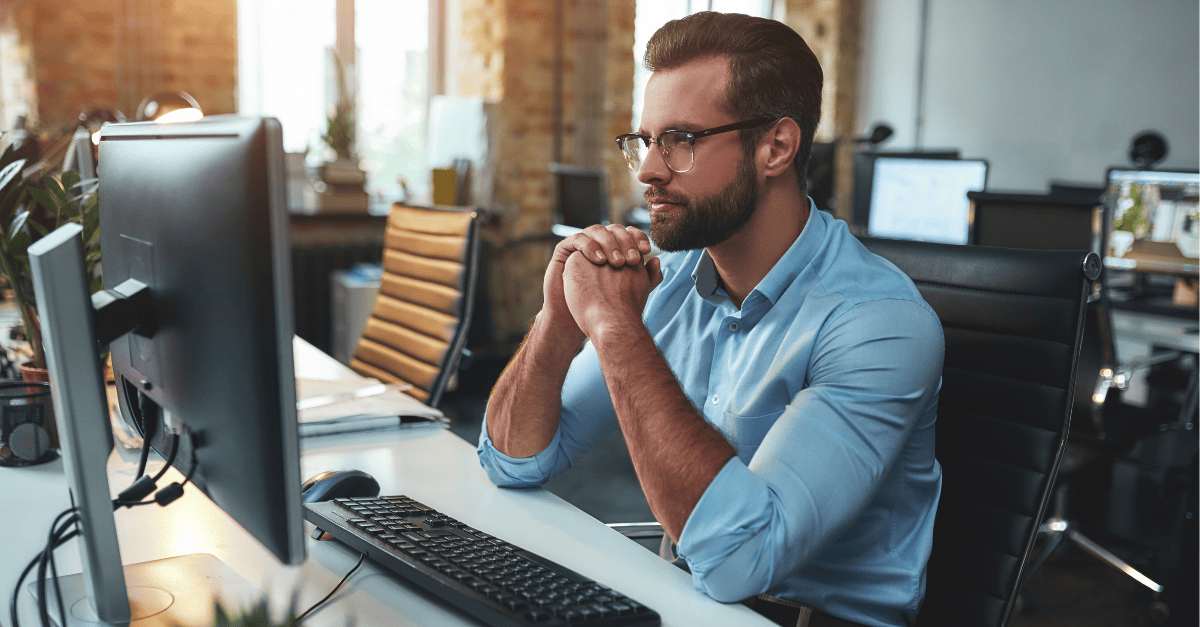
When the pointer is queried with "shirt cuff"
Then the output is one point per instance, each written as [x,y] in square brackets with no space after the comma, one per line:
[734,507]
[508,471]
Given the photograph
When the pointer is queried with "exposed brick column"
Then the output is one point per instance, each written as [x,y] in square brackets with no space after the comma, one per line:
[508,57]
[116,52]
[833,29]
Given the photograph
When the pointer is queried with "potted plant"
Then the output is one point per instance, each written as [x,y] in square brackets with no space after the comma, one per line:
[65,199]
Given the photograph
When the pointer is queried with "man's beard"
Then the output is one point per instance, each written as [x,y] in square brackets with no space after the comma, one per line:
[706,221]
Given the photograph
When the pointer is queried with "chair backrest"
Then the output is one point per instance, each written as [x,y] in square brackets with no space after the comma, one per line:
[1013,321]
[418,326]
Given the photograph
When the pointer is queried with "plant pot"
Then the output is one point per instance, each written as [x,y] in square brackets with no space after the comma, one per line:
[29,374]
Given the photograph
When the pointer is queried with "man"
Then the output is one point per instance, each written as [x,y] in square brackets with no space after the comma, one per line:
[775,382]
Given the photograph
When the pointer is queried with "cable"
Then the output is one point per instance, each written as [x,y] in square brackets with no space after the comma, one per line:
[56,538]
[170,458]
[147,436]
[361,557]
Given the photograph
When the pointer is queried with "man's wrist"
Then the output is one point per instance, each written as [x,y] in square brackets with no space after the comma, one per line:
[568,337]
[616,327]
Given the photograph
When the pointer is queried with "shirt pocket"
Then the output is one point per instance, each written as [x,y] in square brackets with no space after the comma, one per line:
[746,433]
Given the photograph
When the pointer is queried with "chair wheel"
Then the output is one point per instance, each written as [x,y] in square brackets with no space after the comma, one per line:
[1159,612]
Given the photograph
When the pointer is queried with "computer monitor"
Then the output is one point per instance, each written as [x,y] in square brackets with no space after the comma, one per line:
[581,196]
[194,231]
[924,199]
[1153,224]
[864,176]
[1054,221]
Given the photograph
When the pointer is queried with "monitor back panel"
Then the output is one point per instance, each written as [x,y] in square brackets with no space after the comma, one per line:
[582,196]
[1036,224]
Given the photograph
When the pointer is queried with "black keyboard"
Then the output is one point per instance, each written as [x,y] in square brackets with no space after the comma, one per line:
[490,579]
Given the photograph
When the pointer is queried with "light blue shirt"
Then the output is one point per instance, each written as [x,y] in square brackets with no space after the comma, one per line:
[826,384]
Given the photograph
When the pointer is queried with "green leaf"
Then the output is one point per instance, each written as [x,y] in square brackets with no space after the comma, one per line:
[18,225]
[97,284]
[91,216]
[70,179]
[54,187]
[10,172]
[37,226]
[44,199]
[17,249]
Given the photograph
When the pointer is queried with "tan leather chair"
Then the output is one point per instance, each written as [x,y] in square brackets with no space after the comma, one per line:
[418,328]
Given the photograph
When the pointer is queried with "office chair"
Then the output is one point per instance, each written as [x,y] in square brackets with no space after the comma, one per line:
[418,327]
[1103,427]
[1013,322]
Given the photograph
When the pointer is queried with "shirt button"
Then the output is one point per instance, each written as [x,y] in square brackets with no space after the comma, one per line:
[716,398]
[733,326]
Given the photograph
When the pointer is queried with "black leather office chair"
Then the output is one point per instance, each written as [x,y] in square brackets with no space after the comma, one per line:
[1013,322]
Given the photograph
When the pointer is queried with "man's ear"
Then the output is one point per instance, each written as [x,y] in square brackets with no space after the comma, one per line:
[783,141]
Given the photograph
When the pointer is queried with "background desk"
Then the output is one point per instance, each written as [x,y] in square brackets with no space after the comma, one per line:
[432,465]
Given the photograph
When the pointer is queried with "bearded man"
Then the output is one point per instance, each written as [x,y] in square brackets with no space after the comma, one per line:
[775,382]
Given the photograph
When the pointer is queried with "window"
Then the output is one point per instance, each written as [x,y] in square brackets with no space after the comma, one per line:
[393,59]
[285,71]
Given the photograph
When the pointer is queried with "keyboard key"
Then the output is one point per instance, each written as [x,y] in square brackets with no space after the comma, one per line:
[538,616]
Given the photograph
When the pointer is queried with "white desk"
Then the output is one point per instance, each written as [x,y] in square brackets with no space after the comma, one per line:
[432,465]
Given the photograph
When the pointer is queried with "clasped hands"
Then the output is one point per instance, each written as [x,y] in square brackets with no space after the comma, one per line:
[597,281]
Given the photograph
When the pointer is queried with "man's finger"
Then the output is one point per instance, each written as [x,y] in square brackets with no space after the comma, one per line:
[654,270]
[641,239]
[607,243]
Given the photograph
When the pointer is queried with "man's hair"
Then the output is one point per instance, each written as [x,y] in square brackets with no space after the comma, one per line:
[772,71]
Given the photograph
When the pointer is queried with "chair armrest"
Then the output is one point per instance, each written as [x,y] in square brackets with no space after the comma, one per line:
[638,530]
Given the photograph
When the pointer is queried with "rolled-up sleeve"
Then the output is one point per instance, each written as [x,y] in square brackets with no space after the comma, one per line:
[874,373]
[587,416]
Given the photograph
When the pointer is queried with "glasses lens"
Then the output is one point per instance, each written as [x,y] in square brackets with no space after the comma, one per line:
[634,150]
[677,151]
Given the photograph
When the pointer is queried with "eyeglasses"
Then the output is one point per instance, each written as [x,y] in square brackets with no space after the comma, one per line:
[676,146]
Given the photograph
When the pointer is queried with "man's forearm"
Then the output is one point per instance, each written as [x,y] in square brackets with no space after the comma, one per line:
[523,410]
[675,452]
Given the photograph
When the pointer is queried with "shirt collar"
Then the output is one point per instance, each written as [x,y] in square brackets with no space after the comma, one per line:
[783,274]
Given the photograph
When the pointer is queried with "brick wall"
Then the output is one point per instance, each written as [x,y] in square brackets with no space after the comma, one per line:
[116,52]
[508,56]
[833,29]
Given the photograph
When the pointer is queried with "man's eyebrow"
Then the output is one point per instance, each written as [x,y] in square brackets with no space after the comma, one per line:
[675,126]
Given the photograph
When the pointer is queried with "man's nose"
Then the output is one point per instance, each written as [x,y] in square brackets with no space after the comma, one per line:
[654,167]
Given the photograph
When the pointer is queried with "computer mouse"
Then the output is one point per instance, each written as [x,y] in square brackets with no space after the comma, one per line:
[337,484]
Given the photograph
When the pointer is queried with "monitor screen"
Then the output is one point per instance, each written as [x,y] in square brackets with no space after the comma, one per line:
[924,199]
[864,175]
[1153,222]
[582,196]
[198,213]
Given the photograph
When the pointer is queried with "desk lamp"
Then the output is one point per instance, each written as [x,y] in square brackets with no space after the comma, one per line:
[168,107]
[1147,149]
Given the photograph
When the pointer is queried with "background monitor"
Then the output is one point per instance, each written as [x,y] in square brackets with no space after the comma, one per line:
[924,199]
[1153,223]
[1055,221]
[581,196]
[198,212]
[864,174]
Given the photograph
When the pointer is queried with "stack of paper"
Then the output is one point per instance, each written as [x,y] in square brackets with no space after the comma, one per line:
[326,407]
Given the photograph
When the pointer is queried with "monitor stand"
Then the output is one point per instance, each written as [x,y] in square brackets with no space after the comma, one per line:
[173,592]
[176,591]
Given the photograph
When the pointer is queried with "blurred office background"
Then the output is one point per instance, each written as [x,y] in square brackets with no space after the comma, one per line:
[1049,95]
